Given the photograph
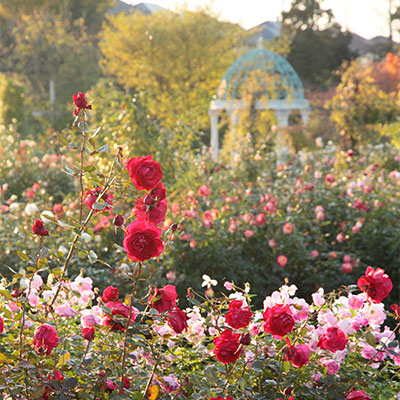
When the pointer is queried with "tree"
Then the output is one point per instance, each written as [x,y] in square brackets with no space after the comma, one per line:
[92,11]
[46,47]
[176,59]
[319,46]
[360,107]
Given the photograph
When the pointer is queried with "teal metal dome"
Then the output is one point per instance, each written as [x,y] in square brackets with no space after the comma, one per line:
[277,79]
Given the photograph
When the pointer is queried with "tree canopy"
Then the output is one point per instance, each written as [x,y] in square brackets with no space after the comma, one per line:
[176,59]
[319,45]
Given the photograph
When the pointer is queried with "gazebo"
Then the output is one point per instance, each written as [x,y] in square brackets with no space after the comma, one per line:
[279,84]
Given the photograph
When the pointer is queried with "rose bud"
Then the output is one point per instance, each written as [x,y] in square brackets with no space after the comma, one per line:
[118,220]
[148,200]
[38,228]
[174,227]
[245,339]
[88,333]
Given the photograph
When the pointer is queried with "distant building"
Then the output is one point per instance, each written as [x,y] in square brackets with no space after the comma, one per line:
[268,30]
[144,8]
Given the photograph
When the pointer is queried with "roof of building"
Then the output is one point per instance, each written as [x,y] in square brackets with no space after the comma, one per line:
[144,8]
[275,76]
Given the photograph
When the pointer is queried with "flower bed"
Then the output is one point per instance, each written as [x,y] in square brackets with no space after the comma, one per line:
[63,338]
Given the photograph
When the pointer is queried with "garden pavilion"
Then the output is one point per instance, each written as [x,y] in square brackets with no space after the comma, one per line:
[281,88]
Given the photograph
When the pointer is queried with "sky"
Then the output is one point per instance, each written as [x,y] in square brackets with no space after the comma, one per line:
[364,17]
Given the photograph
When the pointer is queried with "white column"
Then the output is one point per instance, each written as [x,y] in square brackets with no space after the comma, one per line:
[305,115]
[282,117]
[214,143]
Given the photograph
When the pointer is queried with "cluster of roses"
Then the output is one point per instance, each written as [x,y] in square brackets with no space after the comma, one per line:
[279,320]
[164,301]
[142,237]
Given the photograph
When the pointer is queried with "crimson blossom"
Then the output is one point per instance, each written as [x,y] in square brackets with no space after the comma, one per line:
[239,314]
[376,284]
[45,339]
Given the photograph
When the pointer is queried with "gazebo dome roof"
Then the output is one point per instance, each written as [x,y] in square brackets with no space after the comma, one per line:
[276,77]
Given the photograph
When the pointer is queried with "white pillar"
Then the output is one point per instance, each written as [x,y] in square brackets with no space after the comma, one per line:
[214,143]
[282,117]
[305,115]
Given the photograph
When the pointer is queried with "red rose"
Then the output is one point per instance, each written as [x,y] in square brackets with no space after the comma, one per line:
[278,321]
[177,320]
[220,398]
[164,299]
[204,191]
[142,241]
[88,333]
[38,228]
[119,310]
[110,386]
[45,339]
[239,315]
[154,213]
[376,284]
[80,102]
[144,172]
[357,395]
[227,347]
[298,355]
[105,204]
[158,192]
[111,293]
[334,339]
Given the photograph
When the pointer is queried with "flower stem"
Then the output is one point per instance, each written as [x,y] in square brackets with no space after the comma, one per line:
[137,277]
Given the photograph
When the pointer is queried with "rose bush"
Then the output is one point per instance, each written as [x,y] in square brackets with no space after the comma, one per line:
[61,337]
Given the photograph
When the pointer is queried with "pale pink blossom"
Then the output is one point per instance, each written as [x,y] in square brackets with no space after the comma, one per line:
[332,366]
[318,297]
[65,310]
[81,284]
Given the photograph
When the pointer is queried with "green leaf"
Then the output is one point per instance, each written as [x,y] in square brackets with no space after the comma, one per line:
[100,206]
[6,293]
[194,301]
[25,364]
[95,133]
[70,383]
[286,366]
[4,358]
[22,256]
[42,263]
[257,366]
[92,257]
[62,140]
[393,343]
[211,375]
[242,383]
[38,393]
[104,148]
[69,171]
[90,168]
[370,338]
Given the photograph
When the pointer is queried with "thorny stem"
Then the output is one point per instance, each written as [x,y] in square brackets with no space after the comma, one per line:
[82,165]
[229,375]
[151,376]
[107,185]
[21,332]
[86,351]
[138,272]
